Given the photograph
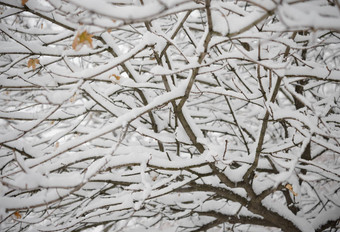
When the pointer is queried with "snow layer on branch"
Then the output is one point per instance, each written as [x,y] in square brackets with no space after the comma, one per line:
[128,13]
[233,24]
[278,207]
[332,214]
[40,198]
[304,16]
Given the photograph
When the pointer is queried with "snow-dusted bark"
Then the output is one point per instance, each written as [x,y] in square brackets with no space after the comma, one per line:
[169,115]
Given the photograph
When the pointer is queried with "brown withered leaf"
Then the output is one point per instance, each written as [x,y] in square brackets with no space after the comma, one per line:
[32,63]
[116,76]
[17,215]
[23,2]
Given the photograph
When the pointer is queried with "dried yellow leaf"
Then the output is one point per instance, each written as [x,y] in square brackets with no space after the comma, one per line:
[81,39]
[73,98]
[290,188]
